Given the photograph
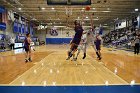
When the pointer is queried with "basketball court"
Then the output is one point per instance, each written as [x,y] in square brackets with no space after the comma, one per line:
[50,24]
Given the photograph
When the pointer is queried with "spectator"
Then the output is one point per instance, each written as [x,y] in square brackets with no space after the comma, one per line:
[136,47]
[12,43]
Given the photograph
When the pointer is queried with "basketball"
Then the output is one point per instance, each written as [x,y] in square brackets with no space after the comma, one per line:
[87,8]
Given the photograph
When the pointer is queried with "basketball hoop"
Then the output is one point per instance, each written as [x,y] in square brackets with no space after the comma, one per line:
[68,11]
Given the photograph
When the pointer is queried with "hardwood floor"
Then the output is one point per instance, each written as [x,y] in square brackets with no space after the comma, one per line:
[49,67]
[13,65]
[125,64]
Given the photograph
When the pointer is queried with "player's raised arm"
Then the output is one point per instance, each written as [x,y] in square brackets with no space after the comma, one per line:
[91,21]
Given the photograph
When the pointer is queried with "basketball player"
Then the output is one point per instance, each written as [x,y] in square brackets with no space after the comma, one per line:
[81,46]
[90,38]
[27,47]
[98,43]
[76,40]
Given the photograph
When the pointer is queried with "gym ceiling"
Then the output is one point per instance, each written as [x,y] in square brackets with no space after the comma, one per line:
[106,12]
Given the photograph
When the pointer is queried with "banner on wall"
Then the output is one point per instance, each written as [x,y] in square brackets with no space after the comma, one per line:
[16,16]
[3,18]
[19,28]
[2,26]
[2,9]
[15,27]
[22,19]
[53,32]
[23,29]
[26,29]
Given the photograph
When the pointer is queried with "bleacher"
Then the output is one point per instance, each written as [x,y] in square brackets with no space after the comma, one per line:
[121,38]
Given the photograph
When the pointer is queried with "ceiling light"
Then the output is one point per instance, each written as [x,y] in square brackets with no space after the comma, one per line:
[78,17]
[108,8]
[43,8]
[52,8]
[105,26]
[93,8]
[94,11]
[97,17]
[136,9]
[106,11]
[19,8]
[86,16]
[83,8]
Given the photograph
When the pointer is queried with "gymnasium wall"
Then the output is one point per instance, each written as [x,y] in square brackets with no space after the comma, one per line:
[41,34]
[8,31]
[123,23]
[9,25]
[22,24]
[64,35]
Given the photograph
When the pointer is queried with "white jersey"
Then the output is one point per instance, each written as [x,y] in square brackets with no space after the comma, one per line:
[90,36]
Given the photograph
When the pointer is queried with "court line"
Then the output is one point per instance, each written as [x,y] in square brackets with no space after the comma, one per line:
[72,84]
[109,70]
[68,84]
[29,69]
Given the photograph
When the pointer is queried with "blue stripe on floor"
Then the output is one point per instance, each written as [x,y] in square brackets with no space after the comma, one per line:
[70,89]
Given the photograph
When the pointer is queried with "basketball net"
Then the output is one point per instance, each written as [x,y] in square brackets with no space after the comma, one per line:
[68,11]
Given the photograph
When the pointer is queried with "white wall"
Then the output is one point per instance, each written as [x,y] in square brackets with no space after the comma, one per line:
[9,25]
[11,17]
[9,30]
[41,35]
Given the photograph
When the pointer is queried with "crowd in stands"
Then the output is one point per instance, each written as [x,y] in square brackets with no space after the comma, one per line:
[124,37]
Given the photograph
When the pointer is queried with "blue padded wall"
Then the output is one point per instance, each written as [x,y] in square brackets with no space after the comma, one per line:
[58,40]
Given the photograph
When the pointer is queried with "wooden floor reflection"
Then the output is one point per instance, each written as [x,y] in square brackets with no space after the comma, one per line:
[49,67]
[12,65]
[125,64]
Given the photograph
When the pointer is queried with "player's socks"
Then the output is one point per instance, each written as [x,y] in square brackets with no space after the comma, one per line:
[26,60]
[68,58]
[69,53]
[98,56]
[84,56]
[30,59]
[75,59]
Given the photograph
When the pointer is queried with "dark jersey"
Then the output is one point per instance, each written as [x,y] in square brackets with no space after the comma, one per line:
[98,42]
[78,32]
[26,43]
